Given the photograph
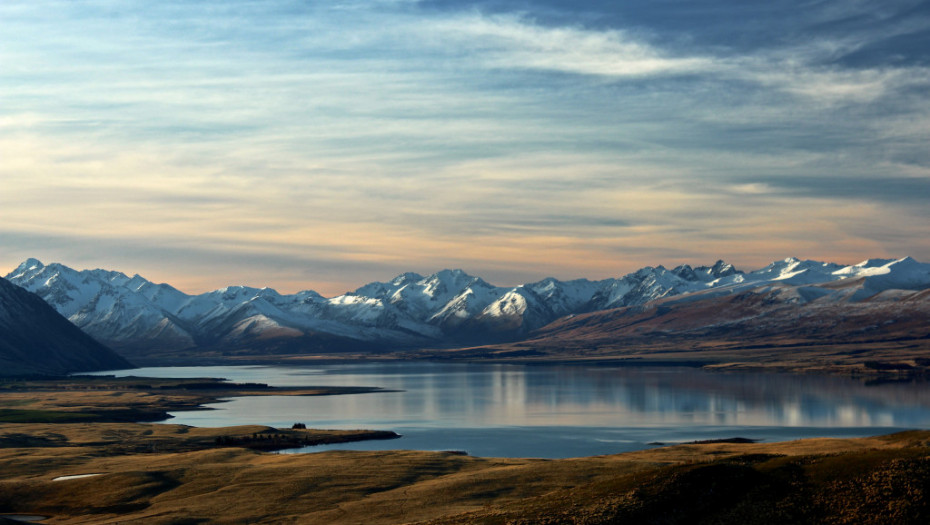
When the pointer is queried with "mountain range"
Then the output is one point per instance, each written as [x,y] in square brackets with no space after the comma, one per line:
[447,307]
[796,314]
[451,308]
[37,340]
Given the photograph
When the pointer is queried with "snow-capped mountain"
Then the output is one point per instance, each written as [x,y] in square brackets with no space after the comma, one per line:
[789,304]
[448,307]
[805,281]
[115,309]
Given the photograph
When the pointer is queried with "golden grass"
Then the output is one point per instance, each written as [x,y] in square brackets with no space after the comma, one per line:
[234,485]
[175,474]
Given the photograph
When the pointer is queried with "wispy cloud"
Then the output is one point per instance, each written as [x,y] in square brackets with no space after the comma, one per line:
[516,42]
[513,42]
[415,135]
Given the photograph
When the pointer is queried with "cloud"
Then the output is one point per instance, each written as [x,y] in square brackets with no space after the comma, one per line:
[807,77]
[892,190]
[512,42]
[813,70]
[554,137]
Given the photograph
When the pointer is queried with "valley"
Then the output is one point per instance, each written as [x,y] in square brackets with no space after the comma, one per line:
[80,449]
[96,472]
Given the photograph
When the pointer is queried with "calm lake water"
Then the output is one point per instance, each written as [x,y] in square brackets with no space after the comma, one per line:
[559,411]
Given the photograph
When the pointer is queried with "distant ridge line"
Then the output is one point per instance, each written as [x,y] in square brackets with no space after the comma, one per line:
[449,307]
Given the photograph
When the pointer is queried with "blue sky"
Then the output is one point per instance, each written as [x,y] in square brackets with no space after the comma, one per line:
[327,144]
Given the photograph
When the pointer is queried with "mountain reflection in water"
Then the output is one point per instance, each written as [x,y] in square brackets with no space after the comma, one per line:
[562,411]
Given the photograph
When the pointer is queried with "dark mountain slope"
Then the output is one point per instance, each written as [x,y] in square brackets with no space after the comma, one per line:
[35,339]
[760,315]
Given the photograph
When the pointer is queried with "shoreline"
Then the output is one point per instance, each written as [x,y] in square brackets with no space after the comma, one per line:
[129,399]
[903,369]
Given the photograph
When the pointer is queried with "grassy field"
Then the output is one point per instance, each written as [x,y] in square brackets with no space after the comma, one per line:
[128,399]
[146,478]
[175,474]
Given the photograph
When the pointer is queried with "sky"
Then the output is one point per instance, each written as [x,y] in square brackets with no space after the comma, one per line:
[324,145]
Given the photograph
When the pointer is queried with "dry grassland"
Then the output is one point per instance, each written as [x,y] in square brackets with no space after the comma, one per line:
[173,474]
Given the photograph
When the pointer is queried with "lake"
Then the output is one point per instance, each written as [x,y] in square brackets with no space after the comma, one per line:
[559,411]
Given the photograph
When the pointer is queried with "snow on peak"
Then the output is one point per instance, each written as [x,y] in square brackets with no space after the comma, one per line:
[722,269]
[870,267]
[904,273]
[27,268]
[243,293]
[907,261]
[511,304]
[115,307]
[446,284]
[686,272]
[29,264]
[137,282]
[406,278]
[382,290]
[794,271]
[454,277]
[706,273]
[871,263]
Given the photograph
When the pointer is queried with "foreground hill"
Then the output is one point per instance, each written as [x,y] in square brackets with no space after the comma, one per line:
[35,339]
[169,474]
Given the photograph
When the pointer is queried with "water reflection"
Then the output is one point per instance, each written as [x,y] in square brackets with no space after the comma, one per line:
[568,410]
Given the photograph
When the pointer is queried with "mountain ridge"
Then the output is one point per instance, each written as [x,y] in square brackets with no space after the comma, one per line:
[449,307]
